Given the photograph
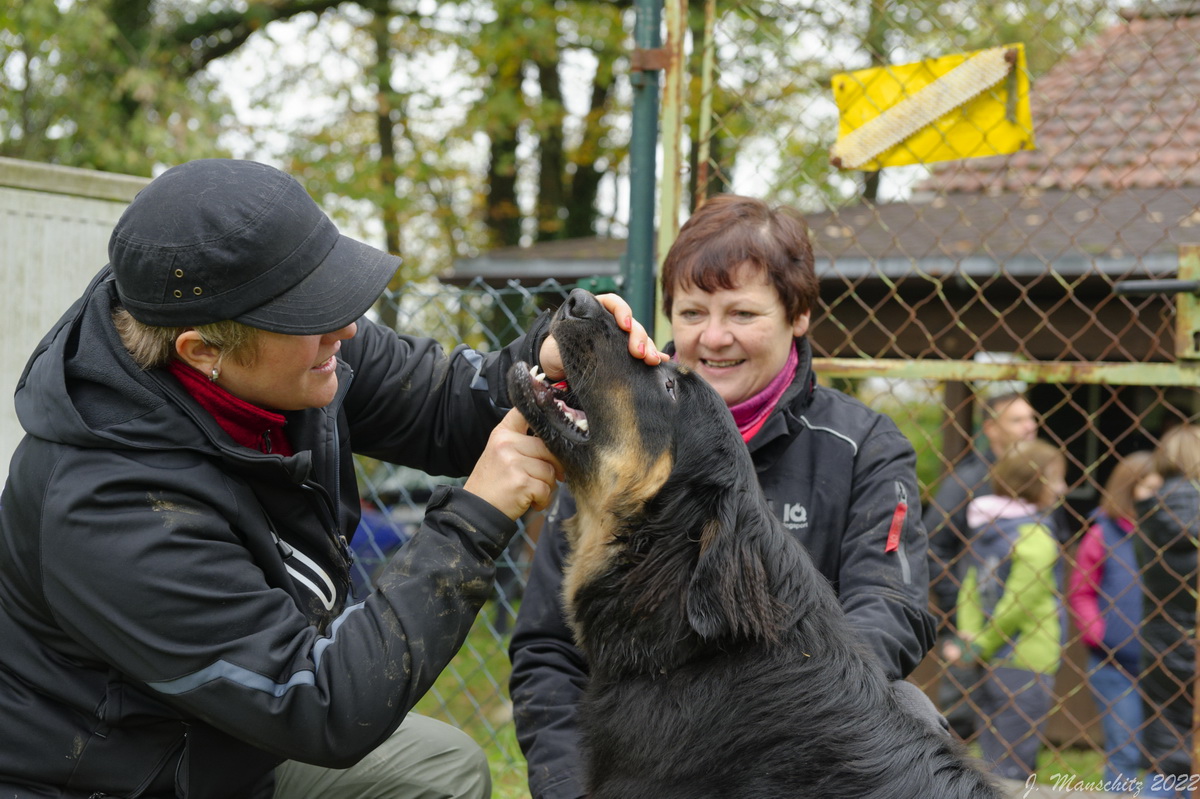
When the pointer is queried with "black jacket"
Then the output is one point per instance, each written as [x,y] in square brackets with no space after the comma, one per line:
[1167,554]
[173,606]
[946,522]
[1166,549]
[839,475]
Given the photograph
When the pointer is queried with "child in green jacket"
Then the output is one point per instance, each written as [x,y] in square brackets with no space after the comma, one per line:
[1010,612]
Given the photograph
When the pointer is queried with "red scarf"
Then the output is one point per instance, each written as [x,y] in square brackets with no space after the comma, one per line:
[247,424]
[750,414]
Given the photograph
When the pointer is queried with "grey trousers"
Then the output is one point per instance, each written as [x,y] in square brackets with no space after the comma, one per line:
[1013,707]
[423,759]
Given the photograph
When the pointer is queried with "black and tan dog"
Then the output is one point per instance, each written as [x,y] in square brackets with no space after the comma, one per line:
[721,663]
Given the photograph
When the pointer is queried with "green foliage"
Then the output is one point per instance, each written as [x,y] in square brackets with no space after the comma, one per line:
[411,101]
[547,76]
[1086,765]
[921,424]
[84,91]
[1050,29]
[407,100]
[472,694]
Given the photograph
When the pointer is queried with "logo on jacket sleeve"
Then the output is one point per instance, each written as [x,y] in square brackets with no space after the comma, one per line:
[795,517]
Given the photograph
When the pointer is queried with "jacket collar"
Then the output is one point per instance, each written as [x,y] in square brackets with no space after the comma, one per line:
[785,419]
[245,423]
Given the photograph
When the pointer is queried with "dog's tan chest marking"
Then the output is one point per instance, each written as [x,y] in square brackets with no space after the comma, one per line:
[629,485]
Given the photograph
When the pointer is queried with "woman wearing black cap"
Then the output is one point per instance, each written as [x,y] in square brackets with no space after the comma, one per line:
[174,564]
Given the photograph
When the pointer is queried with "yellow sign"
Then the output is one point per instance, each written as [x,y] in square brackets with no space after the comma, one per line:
[958,106]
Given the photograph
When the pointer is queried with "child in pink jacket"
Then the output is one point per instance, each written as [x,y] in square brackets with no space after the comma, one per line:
[1105,601]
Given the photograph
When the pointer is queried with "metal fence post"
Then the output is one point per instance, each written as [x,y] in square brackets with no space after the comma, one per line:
[673,112]
[637,265]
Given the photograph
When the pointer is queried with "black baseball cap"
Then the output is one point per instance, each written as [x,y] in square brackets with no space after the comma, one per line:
[219,239]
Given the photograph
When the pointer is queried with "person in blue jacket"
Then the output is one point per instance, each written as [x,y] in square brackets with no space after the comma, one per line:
[739,287]
[174,554]
[1104,597]
[1006,419]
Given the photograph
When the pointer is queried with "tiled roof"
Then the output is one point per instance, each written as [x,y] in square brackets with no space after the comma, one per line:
[563,260]
[1123,112]
[1076,231]
[1080,232]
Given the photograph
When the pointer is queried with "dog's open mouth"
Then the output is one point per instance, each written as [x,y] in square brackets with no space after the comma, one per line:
[555,413]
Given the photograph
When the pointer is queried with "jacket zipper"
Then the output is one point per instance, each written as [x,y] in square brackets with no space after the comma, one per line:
[347,552]
[329,521]
[159,766]
[287,552]
[329,505]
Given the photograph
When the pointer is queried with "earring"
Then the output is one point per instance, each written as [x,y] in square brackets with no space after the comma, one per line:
[212,377]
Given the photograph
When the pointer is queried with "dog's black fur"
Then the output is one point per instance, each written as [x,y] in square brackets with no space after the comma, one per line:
[721,663]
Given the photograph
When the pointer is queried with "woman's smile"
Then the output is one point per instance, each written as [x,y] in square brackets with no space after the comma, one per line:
[737,339]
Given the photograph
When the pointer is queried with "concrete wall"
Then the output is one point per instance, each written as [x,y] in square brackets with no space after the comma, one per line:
[54,227]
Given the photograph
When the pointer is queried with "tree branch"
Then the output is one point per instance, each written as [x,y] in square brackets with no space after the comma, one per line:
[213,35]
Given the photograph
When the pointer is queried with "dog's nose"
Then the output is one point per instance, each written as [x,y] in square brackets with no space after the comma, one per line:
[581,304]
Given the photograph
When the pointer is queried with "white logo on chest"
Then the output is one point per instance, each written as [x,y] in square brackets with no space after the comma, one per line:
[795,517]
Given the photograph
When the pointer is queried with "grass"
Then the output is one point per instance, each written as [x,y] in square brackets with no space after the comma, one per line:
[472,694]
[1082,764]
[1074,765]
[508,766]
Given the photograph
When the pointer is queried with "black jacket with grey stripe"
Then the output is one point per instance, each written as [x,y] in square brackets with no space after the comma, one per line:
[173,607]
[842,477]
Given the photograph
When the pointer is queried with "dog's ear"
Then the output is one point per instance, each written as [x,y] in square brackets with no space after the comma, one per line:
[729,594]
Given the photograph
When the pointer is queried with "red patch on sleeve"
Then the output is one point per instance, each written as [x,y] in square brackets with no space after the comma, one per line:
[893,539]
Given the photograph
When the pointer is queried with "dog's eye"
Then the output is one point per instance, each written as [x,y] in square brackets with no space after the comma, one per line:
[671,388]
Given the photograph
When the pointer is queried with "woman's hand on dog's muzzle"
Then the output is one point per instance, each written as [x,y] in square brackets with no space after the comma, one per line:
[515,472]
[641,346]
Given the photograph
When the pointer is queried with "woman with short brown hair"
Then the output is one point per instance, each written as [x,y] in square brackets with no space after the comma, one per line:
[740,288]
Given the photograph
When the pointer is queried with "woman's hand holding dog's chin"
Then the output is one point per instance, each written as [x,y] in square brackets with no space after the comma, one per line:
[641,346]
[515,472]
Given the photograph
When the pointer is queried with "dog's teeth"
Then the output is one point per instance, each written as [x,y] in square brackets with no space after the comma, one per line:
[536,373]
[582,424]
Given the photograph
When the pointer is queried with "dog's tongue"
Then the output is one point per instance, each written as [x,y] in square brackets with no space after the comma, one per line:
[561,385]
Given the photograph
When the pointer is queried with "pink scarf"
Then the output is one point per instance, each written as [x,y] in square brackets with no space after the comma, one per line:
[751,413]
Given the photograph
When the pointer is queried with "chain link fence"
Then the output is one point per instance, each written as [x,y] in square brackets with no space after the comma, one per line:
[472,693]
[943,285]
[1046,271]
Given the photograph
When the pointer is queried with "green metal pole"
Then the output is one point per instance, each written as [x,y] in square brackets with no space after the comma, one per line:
[638,264]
